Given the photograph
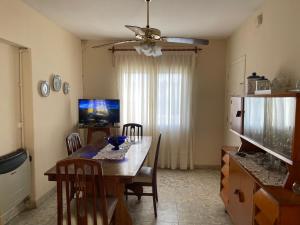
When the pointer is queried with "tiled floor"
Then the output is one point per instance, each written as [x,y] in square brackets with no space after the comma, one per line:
[185,198]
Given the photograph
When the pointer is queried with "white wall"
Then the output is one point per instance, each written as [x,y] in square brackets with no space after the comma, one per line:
[210,81]
[273,48]
[10,137]
[52,50]
[100,80]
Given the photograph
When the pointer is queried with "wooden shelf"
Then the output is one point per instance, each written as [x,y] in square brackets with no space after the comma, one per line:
[278,94]
[277,155]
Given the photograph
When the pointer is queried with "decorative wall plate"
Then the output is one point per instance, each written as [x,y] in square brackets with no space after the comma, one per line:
[56,82]
[66,88]
[44,88]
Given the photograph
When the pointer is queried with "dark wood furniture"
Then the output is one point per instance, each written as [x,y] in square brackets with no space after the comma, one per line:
[92,130]
[73,143]
[147,176]
[132,129]
[108,130]
[86,202]
[116,173]
[253,193]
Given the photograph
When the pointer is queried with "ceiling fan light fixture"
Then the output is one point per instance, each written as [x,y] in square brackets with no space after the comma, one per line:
[155,36]
[156,51]
[149,49]
[139,37]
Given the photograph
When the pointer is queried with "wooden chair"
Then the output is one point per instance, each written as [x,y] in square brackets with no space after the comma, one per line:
[147,176]
[73,143]
[89,205]
[132,129]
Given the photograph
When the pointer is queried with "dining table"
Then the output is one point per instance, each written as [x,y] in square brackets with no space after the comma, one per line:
[116,172]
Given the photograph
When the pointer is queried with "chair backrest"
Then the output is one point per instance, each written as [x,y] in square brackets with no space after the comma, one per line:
[73,143]
[156,157]
[82,178]
[132,129]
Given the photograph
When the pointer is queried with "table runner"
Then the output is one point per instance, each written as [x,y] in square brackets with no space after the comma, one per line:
[108,153]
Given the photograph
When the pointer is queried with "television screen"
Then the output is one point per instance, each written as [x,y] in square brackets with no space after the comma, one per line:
[99,111]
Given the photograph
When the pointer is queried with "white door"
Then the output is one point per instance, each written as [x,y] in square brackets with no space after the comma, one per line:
[10,115]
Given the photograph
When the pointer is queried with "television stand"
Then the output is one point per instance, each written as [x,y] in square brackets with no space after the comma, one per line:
[97,128]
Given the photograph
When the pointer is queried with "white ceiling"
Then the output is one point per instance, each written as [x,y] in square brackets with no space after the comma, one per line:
[105,19]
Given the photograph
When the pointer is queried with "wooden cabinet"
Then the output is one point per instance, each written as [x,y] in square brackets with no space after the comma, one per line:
[259,192]
[266,208]
[276,206]
[249,202]
[224,186]
[241,188]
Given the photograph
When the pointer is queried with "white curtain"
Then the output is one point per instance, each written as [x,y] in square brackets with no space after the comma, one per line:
[157,93]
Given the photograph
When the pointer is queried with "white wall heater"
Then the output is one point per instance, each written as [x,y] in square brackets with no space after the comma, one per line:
[15,182]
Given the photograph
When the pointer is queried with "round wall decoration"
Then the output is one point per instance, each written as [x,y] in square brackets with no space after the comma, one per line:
[66,88]
[56,82]
[44,88]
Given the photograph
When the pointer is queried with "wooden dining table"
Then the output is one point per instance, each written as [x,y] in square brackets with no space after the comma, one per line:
[116,172]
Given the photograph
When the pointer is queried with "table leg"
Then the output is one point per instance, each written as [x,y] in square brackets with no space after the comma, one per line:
[116,188]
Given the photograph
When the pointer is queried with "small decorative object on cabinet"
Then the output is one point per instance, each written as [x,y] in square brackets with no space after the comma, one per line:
[263,86]
[44,88]
[56,82]
[258,181]
[281,83]
[251,83]
[66,88]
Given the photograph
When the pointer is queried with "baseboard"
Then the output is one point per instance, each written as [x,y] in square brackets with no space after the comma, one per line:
[211,167]
[5,218]
[47,195]
[27,204]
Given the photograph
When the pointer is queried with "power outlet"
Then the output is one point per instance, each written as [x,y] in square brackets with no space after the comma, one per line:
[259,20]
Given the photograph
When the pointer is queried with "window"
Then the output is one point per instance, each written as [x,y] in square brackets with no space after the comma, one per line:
[156,92]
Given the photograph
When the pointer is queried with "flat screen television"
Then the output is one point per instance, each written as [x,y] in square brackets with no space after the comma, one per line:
[98,112]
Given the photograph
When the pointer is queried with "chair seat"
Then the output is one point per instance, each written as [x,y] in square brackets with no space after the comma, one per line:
[147,176]
[111,205]
[144,175]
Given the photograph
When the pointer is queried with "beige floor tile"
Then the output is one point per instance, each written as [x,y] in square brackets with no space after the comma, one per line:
[185,198]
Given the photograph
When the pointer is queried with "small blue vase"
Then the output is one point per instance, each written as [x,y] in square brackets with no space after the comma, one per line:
[116,141]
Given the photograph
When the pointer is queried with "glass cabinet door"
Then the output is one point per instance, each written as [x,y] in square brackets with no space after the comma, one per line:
[270,122]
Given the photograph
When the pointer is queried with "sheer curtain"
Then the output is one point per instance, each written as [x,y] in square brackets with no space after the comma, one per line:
[157,93]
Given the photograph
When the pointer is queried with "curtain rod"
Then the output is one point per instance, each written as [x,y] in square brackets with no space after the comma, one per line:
[163,49]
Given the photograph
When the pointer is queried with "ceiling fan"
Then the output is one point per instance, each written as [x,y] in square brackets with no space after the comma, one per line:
[148,36]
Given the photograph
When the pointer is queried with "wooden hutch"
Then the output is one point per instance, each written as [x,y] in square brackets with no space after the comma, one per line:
[259,179]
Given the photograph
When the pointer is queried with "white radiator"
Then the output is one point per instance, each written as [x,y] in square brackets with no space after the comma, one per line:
[15,182]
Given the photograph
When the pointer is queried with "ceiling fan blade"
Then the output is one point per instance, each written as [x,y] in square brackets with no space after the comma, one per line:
[115,43]
[136,30]
[192,41]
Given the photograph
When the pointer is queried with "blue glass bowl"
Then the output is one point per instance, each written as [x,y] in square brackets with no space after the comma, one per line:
[116,141]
